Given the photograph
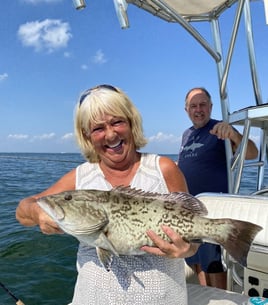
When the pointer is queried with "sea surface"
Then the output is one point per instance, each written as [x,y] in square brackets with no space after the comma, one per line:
[40,269]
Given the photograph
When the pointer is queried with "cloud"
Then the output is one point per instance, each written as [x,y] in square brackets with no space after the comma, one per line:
[99,58]
[49,34]
[161,137]
[84,67]
[67,54]
[68,136]
[3,76]
[18,136]
[45,136]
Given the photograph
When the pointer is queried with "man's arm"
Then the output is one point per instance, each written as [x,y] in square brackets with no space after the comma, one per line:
[224,131]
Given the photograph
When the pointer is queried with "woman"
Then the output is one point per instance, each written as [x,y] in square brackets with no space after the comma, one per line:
[109,131]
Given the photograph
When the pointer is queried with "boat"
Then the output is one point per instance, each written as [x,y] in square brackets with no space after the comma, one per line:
[251,281]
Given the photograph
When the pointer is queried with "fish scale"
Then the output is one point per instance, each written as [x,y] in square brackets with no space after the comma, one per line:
[116,221]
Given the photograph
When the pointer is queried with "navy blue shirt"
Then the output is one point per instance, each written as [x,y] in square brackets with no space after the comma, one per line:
[202,159]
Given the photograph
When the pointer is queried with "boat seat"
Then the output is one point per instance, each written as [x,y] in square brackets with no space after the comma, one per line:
[254,209]
[244,207]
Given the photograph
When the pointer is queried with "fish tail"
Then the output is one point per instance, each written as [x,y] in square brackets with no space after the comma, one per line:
[239,239]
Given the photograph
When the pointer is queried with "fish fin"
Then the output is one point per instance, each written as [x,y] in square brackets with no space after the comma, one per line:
[103,242]
[188,202]
[184,200]
[240,238]
[105,257]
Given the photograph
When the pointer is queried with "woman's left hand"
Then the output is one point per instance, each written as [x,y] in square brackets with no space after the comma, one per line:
[177,248]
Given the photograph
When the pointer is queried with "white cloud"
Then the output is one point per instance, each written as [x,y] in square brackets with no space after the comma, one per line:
[68,136]
[67,54]
[49,34]
[163,143]
[84,67]
[99,57]
[161,137]
[18,136]
[45,136]
[3,76]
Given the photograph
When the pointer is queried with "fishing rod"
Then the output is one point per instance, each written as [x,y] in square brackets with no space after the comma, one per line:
[18,302]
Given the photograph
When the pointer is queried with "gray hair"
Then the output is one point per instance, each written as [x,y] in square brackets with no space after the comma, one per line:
[198,88]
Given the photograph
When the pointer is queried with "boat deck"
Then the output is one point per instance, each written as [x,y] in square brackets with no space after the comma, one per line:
[201,295]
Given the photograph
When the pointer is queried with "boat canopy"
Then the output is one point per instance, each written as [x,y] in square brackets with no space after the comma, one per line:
[201,9]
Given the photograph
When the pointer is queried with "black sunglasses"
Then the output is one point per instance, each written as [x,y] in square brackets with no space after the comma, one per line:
[88,91]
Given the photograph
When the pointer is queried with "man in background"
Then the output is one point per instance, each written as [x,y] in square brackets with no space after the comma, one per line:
[202,159]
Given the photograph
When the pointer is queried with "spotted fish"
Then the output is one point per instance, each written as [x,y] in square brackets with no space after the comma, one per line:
[116,221]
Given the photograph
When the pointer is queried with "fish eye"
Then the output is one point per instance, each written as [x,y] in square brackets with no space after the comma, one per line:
[68,197]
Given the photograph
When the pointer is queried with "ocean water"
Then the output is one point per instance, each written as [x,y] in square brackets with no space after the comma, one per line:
[40,269]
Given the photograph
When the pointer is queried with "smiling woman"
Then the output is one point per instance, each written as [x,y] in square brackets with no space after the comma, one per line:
[93,105]
[109,131]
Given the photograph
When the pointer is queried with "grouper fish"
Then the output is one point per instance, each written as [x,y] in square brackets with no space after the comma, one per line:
[116,221]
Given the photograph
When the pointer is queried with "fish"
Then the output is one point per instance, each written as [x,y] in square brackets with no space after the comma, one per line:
[115,221]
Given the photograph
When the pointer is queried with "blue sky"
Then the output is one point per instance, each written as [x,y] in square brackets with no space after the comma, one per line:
[50,53]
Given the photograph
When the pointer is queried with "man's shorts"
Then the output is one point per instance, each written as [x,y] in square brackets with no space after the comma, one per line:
[209,256]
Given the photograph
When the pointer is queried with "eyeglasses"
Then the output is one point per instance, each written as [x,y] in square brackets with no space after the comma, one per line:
[88,91]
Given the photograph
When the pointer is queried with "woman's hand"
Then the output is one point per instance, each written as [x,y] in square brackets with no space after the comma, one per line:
[46,224]
[29,213]
[177,248]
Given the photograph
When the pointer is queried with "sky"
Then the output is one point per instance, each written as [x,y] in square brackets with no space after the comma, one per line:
[50,53]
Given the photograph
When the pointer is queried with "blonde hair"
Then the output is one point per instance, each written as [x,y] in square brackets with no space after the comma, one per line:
[95,103]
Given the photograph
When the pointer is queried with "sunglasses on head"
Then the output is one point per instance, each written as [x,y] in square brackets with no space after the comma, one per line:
[88,91]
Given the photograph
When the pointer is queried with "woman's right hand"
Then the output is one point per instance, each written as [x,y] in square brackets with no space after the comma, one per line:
[29,213]
[46,223]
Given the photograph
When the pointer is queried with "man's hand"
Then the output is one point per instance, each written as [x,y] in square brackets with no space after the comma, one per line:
[223,131]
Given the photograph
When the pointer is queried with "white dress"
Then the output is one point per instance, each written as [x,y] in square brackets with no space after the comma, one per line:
[140,279]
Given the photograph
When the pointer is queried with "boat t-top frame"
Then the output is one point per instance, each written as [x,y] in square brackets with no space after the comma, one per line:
[187,13]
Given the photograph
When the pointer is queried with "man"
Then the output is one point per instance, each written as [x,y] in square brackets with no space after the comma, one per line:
[202,159]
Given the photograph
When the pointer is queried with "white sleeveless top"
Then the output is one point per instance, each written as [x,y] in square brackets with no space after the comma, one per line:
[134,279]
